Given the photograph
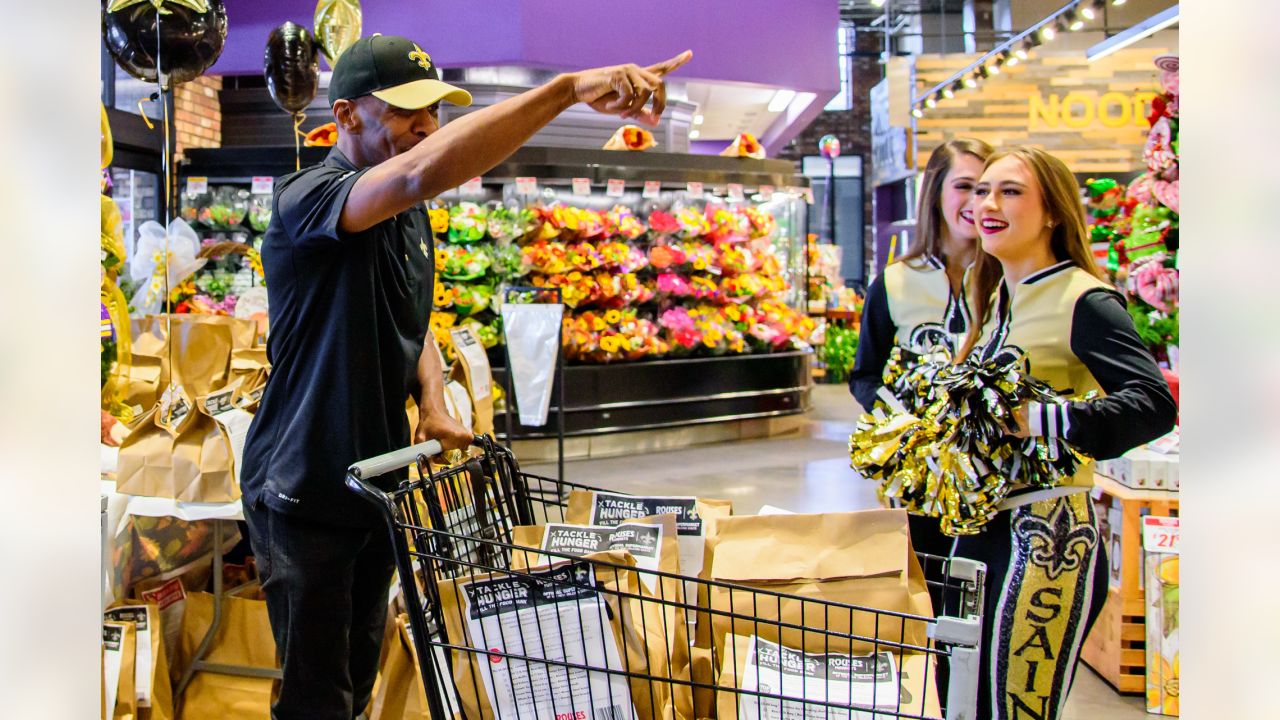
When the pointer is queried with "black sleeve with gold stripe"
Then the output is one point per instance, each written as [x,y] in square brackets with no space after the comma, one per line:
[1138,406]
[875,342]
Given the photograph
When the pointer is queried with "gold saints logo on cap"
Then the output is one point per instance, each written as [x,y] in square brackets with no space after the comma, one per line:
[421,57]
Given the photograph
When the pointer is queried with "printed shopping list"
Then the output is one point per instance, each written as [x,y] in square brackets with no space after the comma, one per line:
[862,683]
[555,615]
[644,542]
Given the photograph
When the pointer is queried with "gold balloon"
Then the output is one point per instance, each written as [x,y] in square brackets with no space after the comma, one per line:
[338,24]
[108,147]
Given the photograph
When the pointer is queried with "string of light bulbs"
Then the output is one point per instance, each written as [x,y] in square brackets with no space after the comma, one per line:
[1072,17]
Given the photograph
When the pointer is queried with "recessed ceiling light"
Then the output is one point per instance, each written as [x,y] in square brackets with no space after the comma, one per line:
[781,100]
[693,134]
[697,119]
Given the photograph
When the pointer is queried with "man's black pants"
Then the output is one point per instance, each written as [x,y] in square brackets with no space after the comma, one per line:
[326,589]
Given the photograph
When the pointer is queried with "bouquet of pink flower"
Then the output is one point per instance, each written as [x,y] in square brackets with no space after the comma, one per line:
[682,334]
[661,223]
[672,285]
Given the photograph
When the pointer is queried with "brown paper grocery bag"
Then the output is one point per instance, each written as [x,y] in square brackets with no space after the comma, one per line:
[917,694]
[399,694]
[188,458]
[158,691]
[243,638]
[120,637]
[856,558]
[621,588]
[473,371]
[663,617]
[143,390]
[200,359]
[582,508]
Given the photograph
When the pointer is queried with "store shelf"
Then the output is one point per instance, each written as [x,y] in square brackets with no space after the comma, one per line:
[549,165]
[1116,490]
[621,397]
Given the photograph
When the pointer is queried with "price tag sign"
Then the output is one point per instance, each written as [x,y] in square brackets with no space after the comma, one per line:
[1160,534]
[766,193]
[736,192]
[582,186]
[471,187]
[526,185]
[694,189]
[652,188]
[197,185]
[616,188]
[263,185]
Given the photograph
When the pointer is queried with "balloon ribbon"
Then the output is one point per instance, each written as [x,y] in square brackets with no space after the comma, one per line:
[297,133]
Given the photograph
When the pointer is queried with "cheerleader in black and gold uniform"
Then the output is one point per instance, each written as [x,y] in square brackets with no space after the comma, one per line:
[1035,290]
[918,300]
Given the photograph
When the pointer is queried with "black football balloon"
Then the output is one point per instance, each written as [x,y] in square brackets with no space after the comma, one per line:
[292,67]
[189,41]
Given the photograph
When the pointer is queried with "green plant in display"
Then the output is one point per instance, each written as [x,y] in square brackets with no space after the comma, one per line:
[1156,329]
[838,352]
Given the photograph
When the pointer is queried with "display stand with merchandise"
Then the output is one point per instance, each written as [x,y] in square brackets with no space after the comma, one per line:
[218,514]
[1115,646]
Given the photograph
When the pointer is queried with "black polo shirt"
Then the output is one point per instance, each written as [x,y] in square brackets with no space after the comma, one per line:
[349,313]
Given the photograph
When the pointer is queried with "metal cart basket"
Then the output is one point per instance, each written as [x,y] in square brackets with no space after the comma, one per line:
[520,633]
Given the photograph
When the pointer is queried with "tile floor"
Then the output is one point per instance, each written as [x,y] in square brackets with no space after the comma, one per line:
[805,472]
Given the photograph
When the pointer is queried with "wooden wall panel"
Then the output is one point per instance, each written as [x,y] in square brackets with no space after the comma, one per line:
[1092,115]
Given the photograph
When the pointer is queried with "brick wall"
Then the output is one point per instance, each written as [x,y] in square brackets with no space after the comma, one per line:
[197,114]
[852,127]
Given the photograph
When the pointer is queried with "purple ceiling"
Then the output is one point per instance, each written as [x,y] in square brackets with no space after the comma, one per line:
[763,42]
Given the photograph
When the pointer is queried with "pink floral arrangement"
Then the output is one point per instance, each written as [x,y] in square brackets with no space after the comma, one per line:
[673,285]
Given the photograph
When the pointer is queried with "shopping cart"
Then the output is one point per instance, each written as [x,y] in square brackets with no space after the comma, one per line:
[505,631]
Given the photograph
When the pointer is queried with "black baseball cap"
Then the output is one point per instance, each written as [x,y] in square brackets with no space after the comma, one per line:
[393,69]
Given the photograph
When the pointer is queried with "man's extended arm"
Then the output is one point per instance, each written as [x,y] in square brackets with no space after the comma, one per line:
[476,142]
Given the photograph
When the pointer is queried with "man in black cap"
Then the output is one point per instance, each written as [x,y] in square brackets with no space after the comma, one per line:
[349,260]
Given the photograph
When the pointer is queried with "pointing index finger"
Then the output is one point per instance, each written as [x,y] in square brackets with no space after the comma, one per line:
[667,66]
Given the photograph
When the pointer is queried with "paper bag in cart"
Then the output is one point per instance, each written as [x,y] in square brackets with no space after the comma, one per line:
[472,370]
[571,614]
[854,558]
[178,450]
[666,633]
[695,521]
[399,694]
[886,683]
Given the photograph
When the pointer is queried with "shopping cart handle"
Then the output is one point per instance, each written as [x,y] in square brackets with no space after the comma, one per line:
[394,460]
